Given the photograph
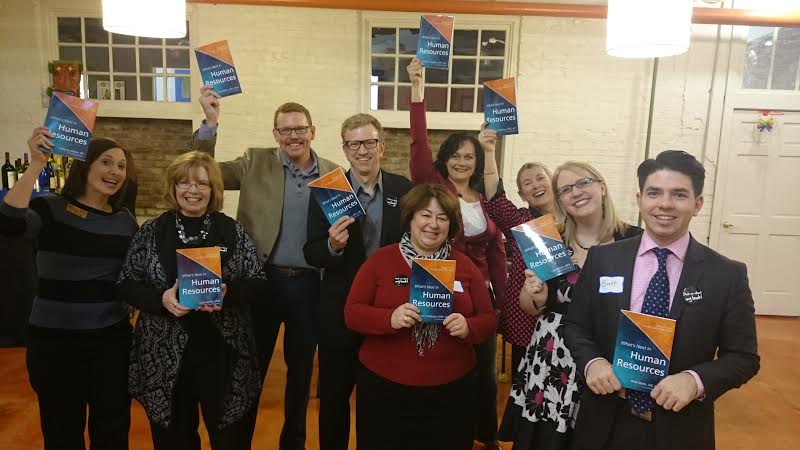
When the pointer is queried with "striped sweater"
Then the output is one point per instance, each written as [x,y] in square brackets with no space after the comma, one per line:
[79,254]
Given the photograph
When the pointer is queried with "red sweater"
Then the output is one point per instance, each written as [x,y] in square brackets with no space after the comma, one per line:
[486,250]
[391,353]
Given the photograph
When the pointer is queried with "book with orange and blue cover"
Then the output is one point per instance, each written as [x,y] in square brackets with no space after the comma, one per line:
[643,350]
[71,121]
[335,196]
[435,41]
[199,277]
[500,106]
[217,69]
[542,249]
[432,283]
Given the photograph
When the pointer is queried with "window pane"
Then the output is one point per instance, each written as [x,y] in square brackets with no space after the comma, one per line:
[149,41]
[383,69]
[383,40]
[97,59]
[491,69]
[95,34]
[69,29]
[461,99]
[465,42]
[152,88]
[436,76]
[124,59]
[122,39]
[403,98]
[408,41]
[177,59]
[178,89]
[787,57]
[463,71]
[436,99]
[124,88]
[100,87]
[479,105]
[493,43]
[757,58]
[70,54]
[150,61]
[402,72]
[381,97]
[184,41]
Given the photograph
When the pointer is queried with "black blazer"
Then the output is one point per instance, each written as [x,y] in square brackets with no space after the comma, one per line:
[715,337]
[339,271]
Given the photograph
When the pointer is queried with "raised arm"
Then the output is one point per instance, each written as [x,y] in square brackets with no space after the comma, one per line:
[421,159]
[20,195]
[491,177]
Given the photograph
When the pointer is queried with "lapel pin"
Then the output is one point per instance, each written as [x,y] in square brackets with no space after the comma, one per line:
[391,201]
[692,295]
[400,280]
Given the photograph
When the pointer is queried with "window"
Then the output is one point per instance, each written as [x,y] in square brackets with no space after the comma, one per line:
[120,67]
[478,54]
[772,58]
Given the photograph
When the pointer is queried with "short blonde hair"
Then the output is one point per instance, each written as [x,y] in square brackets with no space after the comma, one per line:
[361,120]
[528,166]
[180,168]
[611,223]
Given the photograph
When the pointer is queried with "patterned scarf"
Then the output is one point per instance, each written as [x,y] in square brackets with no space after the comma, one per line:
[424,334]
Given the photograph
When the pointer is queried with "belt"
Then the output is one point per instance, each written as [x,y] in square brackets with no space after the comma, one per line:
[290,272]
[646,416]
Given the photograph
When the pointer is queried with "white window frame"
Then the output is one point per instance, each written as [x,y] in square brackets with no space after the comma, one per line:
[127,108]
[436,120]
[771,72]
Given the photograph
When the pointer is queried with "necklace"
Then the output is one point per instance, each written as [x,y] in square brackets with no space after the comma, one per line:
[188,239]
[581,246]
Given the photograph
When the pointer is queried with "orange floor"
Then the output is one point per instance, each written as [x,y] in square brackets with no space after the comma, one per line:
[765,414]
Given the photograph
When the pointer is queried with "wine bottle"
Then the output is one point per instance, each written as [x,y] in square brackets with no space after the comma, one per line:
[25,164]
[61,172]
[51,174]
[9,174]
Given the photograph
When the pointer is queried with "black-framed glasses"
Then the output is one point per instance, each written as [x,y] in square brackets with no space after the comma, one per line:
[200,185]
[287,131]
[368,144]
[580,184]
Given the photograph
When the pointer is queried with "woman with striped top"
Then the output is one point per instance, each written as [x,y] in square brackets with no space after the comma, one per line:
[79,334]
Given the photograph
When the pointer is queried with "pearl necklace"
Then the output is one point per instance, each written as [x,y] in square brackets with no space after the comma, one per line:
[188,239]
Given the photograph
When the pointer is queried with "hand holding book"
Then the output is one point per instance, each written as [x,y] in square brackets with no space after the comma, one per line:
[415,69]
[37,144]
[169,299]
[457,325]
[209,101]
[405,316]
[533,294]
[338,233]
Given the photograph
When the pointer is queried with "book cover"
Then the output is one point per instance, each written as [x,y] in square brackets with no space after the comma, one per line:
[217,69]
[435,41]
[199,277]
[500,106]
[643,350]
[71,120]
[542,248]
[432,284]
[335,196]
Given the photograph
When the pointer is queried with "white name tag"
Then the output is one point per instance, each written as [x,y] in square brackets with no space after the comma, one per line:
[457,286]
[611,285]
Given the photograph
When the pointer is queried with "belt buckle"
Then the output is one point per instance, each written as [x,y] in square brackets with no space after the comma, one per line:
[646,416]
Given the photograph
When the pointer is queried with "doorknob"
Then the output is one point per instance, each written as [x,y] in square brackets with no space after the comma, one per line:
[727,225]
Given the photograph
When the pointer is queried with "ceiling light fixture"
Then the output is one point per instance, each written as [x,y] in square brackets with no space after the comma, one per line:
[146,18]
[648,28]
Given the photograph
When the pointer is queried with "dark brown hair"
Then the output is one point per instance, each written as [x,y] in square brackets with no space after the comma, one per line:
[421,195]
[75,184]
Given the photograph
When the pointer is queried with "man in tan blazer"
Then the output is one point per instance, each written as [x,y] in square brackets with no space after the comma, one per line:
[273,206]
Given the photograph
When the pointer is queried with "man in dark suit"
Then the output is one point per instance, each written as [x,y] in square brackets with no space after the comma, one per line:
[664,272]
[340,250]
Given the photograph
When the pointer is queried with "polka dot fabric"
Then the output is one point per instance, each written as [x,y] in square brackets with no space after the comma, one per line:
[656,303]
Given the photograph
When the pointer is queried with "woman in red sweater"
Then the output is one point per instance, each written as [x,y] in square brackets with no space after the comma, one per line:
[459,167]
[417,377]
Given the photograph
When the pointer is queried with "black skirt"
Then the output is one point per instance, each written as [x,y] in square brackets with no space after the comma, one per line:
[527,435]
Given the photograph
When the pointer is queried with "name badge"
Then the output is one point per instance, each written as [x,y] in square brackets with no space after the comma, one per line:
[611,285]
[74,210]
[692,295]
[457,286]
[400,280]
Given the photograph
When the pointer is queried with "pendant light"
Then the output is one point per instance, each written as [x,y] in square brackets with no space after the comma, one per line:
[648,28]
[146,18]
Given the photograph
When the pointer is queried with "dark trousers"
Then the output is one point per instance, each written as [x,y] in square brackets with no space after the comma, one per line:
[337,378]
[630,432]
[293,301]
[486,400]
[391,416]
[73,369]
[201,381]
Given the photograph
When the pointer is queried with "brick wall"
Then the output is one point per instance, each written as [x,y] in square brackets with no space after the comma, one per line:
[398,141]
[154,143]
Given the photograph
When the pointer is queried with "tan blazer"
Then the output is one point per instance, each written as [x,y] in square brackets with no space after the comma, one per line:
[258,175]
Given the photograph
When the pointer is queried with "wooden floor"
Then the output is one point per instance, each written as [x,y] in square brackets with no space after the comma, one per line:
[765,414]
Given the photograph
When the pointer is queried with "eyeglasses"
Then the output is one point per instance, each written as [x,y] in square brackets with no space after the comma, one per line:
[355,145]
[200,185]
[287,131]
[580,184]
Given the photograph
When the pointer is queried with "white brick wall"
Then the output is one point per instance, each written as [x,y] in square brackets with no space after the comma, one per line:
[575,102]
